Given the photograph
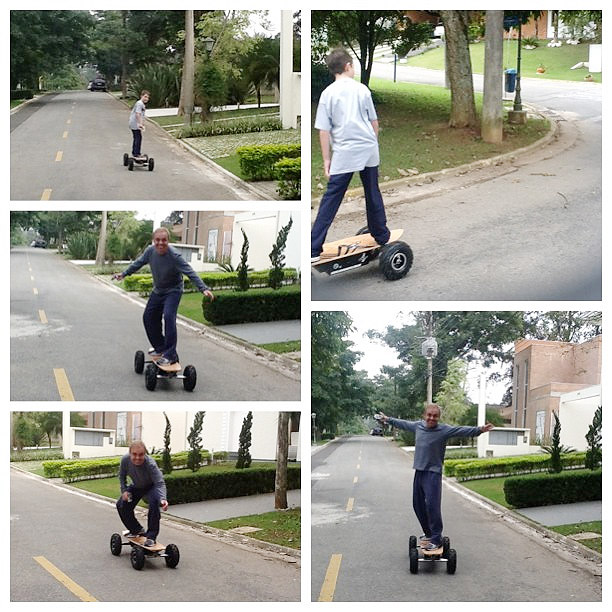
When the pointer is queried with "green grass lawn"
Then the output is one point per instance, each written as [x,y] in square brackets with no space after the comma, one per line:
[574,528]
[191,307]
[414,134]
[289,346]
[280,527]
[558,61]
[230,114]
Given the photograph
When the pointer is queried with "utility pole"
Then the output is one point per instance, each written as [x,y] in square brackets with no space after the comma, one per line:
[429,349]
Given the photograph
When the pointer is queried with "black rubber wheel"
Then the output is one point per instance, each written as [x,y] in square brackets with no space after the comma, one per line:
[445,546]
[412,542]
[126,158]
[130,164]
[151,164]
[451,563]
[363,230]
[139,362]
[395,260]
[189,382]
[137,557]
[414,561]
[172,555]
[151,377]
[115,544]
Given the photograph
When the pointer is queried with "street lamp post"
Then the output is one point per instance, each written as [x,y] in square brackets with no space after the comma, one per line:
[314,431]
[518,105]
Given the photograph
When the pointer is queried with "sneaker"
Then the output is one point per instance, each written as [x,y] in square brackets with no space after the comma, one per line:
[431,546]
[153,353]
[129,534]
[164,361]
[315,258]
[149,542]
[424,540]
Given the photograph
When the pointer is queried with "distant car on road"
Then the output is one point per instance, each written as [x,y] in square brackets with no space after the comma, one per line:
[39,243]
[377,431]
[98,84]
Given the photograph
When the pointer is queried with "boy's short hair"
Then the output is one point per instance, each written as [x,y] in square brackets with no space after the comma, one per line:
[145,91]
[337,60]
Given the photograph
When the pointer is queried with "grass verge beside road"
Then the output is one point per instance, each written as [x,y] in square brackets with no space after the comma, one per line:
[415,138]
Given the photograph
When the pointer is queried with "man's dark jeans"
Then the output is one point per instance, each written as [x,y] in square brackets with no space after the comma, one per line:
[162,306]
[427,501]
[126,511]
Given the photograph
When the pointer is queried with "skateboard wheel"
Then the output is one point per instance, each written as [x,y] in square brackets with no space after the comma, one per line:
[451,563]
[139,361]
[115,544]
[412,542]
[445,546]
[151,164]
[151,377]
[172,555]
[137,557]
[363,230]
[126,158]
[189,382]
[414,561]
[130,164]
[396,259]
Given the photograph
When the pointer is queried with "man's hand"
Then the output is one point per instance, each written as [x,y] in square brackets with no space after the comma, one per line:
[486,427]
[141,127]
[209,294]
[126,496]
[383,418]
[117,277]
[164,504]
[326,166]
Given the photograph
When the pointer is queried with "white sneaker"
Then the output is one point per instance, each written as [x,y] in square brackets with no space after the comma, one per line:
[315,258]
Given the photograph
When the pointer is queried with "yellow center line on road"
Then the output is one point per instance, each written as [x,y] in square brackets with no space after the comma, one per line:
[31,277]
[331,576]
[355,479]
[43,317]
[359,466]
[46,194]
[70,584]
[349,505]
[65,134]
[59,155]
[69,121]
[35,290]
[63,386]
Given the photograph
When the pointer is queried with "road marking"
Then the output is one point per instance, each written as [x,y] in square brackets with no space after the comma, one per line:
[35,290]
[65,134]
[355,479]
[358,466]
[63,386]
[331,576]
[349,505]
[69,121]
[46,194]
[31,277]
[70,584]
[43,317]
[59,155]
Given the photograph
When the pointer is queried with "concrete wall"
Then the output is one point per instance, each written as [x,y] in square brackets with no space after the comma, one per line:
[576,411]
[74,450]
[493,448]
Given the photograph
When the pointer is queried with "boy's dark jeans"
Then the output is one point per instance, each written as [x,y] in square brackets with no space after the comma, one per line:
[427,501]
[330,202]
[126,511]
[136,143]
[162,306]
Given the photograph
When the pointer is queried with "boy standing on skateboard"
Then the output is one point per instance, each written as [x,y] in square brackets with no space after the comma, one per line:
[347,120]
[167,268]
[136,123]
[429,449]
[147,481]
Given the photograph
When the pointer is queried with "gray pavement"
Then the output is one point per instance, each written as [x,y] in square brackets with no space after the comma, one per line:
[266,332]
[564,514]
[219,509]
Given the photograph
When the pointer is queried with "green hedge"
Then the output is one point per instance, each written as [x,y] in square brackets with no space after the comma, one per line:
[254,305]
[288,172]
[237,126]
[185,487]
[21,94]
[257,161]
[548,489]
[466,469]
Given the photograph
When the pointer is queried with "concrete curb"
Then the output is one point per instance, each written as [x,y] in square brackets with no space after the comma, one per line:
[433,177]
[26,102]
[284,365]
[283,553]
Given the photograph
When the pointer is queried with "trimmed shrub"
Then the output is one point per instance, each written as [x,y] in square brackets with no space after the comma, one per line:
[21,94]
[320,78]
[234,126]
[548,489]
[254,305]
[288,173]
[257,161]
[212,484]
[465,469]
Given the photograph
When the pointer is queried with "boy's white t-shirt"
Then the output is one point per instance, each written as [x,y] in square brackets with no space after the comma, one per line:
[346,111]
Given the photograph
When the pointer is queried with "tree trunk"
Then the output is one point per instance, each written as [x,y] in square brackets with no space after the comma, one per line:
[463,107]
[101,252]
[124,58]
[492,123]
[282,451]
[186,97]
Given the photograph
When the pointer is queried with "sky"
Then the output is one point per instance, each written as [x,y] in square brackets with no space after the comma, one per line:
[377,354]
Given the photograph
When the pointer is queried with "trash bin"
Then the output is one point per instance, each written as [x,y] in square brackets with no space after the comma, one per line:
[510,80]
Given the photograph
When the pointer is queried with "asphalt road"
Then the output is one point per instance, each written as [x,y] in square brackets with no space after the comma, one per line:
[528,230]
[69,329]
[72,532]
[70,146]
[362,510]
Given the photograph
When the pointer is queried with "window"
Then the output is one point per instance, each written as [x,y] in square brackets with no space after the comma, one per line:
[515,403]
[88,438]
[501,437]
[525,392]
[213,236]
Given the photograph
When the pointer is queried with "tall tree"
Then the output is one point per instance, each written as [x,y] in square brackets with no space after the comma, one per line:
[166,454]
[101,250]
[194,458]
[187,83]
[244,443]
[452,396]
[492,124]
[459,67]
[282,452]
[277,257]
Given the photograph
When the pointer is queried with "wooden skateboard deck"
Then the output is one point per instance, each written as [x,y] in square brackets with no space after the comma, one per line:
[351,246]
[140,540]
[173,367]
[434,552]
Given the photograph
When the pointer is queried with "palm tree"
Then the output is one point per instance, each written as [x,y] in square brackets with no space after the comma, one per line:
[263,66]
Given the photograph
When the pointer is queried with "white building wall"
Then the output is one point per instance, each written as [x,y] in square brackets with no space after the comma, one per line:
[576,411]
[522,446]
[72,450]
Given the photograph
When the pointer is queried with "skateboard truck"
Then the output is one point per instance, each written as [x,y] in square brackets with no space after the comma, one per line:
[154,372]
[140,552]
[443,554]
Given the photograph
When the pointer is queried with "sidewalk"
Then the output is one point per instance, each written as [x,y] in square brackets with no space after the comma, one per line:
[266,332]
[563,514]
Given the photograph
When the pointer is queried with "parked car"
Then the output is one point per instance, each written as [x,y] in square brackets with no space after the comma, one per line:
[98,84]
[38,243]
[377,431]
